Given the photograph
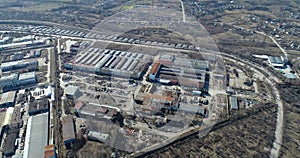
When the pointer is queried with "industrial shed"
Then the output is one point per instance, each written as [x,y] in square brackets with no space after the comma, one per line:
[68,129]
[233,103]
[38,106]
[7,99]
[36,135]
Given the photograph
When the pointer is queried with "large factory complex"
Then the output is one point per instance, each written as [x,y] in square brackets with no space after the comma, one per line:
[107,86]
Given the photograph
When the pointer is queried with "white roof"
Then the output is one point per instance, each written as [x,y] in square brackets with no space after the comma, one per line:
[71,90]
[28,75]
[7,97]
[6,64]
[36,136]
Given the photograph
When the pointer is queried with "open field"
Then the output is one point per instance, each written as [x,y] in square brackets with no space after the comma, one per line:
[290,146]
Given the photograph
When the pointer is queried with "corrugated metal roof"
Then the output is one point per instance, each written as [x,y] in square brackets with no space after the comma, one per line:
[7,97]
[27,75]
[155,68]
[71,90]
[68,127]
[36,136]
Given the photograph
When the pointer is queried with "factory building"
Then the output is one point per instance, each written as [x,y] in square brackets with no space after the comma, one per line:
[276,62]
[9,144]
[9,81]
[154,71]
[110,62]
[36,135]
[7,99]
[171,70]
[23,39]
[38,107]
[15,79]
[20,64]
[193,109]
[27,78]
[68,129]
[72,91]
[22,45]
[233,103]
[98,136]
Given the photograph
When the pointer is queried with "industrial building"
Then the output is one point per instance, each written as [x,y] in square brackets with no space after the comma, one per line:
[72,91]
[7,99]
[38,107]
[9,144]
[23,39]
[27,78]
[233,103]
[22,45]
[98,136]
[193,109]
[173,70]
[20,64]
[276,62]
[110,62]
[36,135]
[15,79]
[68,129]
[49,151]
[9,81]
[142,91]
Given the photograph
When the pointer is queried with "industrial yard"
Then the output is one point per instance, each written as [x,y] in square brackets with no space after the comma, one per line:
[149,79]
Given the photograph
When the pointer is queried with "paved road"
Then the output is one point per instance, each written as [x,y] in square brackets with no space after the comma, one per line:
[183,11]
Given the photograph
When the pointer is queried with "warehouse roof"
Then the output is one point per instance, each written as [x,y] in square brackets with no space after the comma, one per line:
[71,90]
[9,142]
[155,68]
[36,135]
[95,135]
[275,60]
[233,103]
[18,62]
[8,97]
[191,108]
[27,75]
[68,127]
[13,76]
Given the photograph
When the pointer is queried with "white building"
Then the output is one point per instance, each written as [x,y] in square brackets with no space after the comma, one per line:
[276,62]
[72,91]
[7,99]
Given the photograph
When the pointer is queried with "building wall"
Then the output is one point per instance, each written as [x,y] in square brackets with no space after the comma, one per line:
[27,81]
